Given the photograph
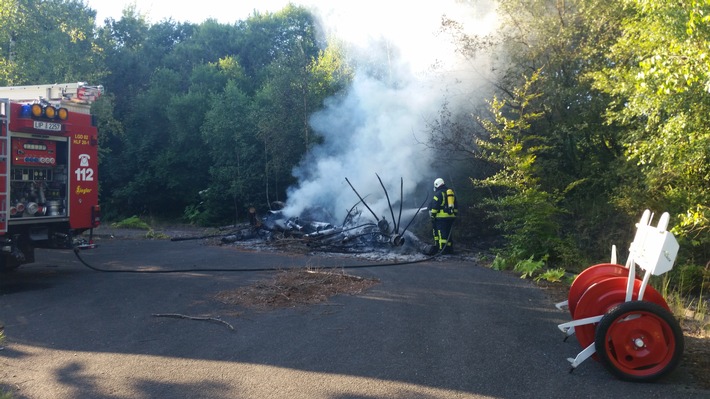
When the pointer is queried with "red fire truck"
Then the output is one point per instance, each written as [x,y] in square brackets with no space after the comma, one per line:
[48,169]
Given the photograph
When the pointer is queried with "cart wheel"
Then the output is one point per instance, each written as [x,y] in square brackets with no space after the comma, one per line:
[590,276]
[598,299]
[639,341]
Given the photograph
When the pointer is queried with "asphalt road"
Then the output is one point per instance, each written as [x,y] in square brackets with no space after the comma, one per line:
[441,329]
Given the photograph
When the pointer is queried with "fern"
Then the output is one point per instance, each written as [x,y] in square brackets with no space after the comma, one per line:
[500,263]
[528,267]
[552,275]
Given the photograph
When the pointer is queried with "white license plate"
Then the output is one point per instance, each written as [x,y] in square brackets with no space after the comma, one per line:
[55,127]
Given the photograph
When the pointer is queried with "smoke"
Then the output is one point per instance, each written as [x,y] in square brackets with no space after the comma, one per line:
[405,70]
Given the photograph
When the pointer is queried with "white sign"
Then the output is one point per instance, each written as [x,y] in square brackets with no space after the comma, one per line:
[84,160]
[84,172]
[55,127]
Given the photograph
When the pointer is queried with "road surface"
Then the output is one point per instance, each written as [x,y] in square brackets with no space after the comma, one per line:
[435,330]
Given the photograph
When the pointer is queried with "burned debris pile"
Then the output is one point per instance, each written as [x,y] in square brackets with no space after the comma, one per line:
[357,234]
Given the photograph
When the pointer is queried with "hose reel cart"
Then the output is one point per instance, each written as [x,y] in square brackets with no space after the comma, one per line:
[619,319]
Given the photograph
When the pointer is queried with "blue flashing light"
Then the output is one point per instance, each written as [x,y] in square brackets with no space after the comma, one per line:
[25,111]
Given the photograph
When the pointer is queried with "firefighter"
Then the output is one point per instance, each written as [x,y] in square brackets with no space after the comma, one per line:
[443,210]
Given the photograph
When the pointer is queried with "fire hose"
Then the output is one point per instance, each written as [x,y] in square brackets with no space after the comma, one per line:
[260,269]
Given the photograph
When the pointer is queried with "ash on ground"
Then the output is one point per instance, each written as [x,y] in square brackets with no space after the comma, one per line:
[360,237]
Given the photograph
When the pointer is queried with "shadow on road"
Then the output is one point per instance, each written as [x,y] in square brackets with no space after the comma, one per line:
[441,329]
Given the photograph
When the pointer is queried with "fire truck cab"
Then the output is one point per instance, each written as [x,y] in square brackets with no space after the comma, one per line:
[48,169]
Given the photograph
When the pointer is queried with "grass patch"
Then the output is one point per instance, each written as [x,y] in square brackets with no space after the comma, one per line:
[156,236]
[133,222]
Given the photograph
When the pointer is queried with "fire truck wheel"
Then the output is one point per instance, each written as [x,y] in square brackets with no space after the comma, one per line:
[639,341]
[8,264]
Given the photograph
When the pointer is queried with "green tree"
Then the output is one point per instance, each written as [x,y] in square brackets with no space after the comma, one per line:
[133,50]
[288,34]
[236,157]
[526,214]
[562,155]
[173,80]
[266,135]
[658,74]
[281,108]
[138,167]
[47,42]
[193,45]
[148,135]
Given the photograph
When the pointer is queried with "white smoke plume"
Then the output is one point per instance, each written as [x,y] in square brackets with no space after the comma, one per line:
[405,70]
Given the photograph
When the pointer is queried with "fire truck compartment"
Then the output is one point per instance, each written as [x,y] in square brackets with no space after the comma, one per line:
[38,179]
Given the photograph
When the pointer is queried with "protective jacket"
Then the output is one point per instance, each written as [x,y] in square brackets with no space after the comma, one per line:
[443,204]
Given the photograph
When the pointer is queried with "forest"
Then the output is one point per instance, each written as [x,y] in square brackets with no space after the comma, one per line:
[560,126]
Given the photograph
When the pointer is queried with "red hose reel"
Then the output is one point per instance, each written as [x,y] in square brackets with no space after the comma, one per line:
[619,319]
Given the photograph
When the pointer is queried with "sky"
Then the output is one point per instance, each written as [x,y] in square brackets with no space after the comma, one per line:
[224,11]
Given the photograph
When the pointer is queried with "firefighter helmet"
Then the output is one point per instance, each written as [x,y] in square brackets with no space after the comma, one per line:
[438,183]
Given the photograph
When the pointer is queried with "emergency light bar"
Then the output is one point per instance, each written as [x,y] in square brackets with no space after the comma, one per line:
[48,111]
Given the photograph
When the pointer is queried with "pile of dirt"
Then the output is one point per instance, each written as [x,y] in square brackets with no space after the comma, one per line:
[295,287]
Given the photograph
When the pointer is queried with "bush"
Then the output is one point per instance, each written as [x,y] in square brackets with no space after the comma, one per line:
[687,279]
[529,222]
[529,267]
[552,275]
[500,263]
